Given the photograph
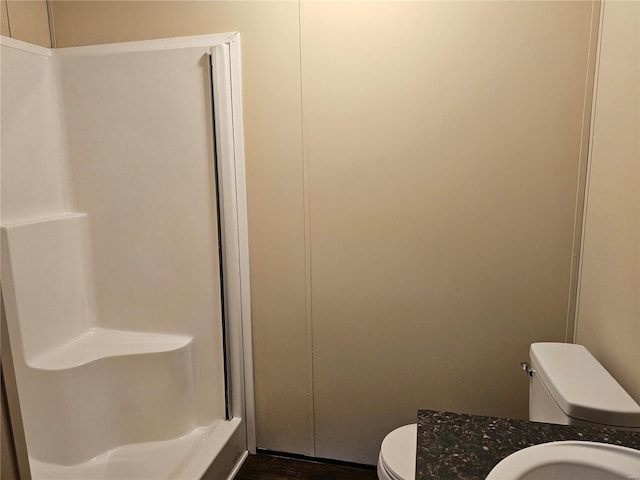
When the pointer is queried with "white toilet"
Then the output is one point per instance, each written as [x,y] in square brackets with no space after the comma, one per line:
[397,459]
[568,386]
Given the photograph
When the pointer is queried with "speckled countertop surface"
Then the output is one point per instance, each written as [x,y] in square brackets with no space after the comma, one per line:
[466,447]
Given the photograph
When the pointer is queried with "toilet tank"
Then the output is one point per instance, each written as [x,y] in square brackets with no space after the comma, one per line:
[569,386]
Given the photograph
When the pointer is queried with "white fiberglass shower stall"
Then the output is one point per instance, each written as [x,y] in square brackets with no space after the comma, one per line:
[126,345]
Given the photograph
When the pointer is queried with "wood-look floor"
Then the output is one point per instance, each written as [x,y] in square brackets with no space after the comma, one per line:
[271,467]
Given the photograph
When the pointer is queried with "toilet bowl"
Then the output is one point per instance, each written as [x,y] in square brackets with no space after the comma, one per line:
[397,459]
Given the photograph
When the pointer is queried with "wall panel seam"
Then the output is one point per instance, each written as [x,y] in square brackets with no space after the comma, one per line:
[6,12]
[587,114]
[51,23]
[589,155]
[307,247]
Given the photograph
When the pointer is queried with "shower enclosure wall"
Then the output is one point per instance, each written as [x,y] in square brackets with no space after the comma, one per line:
[124,257]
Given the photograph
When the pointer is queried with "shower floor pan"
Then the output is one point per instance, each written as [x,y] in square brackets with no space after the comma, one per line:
[188,457]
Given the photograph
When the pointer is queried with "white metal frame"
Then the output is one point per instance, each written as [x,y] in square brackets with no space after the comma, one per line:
[234,201]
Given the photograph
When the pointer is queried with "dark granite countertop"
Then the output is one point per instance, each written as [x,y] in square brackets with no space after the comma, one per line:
[466,447]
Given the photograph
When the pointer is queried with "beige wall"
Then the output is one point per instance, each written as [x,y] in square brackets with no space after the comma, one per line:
[443,146]
[26,20]
[413,172]
[609,303]
[4,19]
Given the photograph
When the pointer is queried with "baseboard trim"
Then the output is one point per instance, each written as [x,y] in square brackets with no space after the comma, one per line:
[328,461]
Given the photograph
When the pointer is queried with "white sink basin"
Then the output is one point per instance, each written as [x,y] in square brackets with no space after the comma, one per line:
[570,460]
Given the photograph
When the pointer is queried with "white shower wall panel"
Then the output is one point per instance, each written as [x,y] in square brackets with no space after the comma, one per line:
[32,133]
[141,162]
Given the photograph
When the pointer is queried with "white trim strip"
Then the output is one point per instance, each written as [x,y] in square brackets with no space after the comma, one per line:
[243,241]
[25,46]
[148,45]
[124,47]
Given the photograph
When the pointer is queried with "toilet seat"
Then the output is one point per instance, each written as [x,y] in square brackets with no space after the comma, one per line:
[397,460]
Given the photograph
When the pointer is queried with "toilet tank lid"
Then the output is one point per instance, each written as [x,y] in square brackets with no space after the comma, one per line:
[581,386]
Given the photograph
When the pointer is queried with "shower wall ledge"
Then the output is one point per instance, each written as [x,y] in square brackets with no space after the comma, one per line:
[42,218]
[98,343]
